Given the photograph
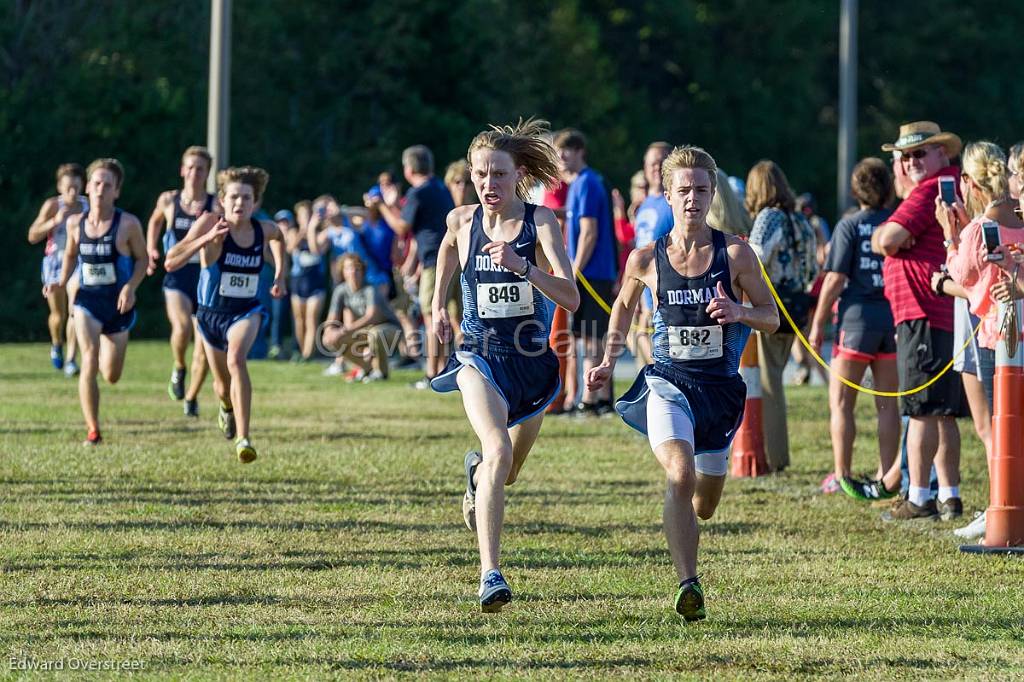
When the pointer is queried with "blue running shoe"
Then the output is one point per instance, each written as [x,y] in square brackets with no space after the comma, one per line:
[57,357]
[494,592]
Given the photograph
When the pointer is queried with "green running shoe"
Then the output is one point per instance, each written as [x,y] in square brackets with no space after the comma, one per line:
[245,451]
[226,422]
[866,489]
[690,601]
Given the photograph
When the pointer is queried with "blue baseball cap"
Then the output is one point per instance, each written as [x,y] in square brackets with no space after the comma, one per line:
[374,191]
[284,214]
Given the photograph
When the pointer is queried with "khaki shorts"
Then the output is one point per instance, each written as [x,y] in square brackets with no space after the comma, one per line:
[427,279]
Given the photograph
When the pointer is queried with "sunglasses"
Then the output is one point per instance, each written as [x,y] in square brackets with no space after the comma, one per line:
[914,154]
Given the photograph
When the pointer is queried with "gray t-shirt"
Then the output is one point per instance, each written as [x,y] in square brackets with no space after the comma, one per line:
[862,305]
[359,302]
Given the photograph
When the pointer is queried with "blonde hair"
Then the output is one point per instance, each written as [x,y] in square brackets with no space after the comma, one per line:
[201,152]
[727,213]
[985,164]
[257,178]
[688,156]
[527,144]
[456,170]
[112,165]
[72,169]
[767,187]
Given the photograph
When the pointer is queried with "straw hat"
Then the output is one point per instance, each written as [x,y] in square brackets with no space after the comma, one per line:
[920,133]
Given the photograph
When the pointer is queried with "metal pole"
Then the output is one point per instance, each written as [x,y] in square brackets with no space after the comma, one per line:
[219,102]
[847,101]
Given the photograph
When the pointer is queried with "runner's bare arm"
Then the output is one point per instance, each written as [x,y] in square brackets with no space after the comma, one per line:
[637,272]
[560,285]
[70,250]
[157,222]
[762,314]
[136,244]
[44,222]
[207,228]
[276,242]
[447,264]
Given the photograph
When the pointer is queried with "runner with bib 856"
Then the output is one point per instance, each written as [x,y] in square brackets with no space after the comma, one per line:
[689,402]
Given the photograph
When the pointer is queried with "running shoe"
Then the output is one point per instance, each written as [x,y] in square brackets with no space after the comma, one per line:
[333,370]
[905,510]
[70,369]
[192,408]
[951,509]
[866,489]
[226,422]
[274,353]
[471,461]
[94,438]
[690,601]
[245,451]
[176,386]
[494,592]
[374,375]
[830,484]
[421,384]
[355,375]
[974,529]
[57,357]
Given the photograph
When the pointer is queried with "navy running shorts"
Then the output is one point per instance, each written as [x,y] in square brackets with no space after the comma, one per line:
[527,384]
[103,309]
[306,286]
[214,326]
[715,405]
[185,280]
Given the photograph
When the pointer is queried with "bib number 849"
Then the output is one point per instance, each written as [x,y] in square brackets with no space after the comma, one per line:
[509,294]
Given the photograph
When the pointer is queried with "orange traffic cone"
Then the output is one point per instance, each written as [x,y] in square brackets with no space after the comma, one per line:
[748,458]
[1004,519]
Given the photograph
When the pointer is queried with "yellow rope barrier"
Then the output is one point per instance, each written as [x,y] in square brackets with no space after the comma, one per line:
[778,301]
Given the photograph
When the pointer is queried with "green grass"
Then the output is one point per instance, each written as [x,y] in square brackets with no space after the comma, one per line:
[341,551]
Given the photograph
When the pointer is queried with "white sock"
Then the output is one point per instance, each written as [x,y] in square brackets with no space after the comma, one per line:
[947,492]
[919,496]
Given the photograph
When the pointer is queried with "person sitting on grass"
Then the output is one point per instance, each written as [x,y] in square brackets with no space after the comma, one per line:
[360,325]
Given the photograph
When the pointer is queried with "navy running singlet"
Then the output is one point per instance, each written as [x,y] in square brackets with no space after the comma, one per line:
[685,336]
[502,311]
[182,223]
[231,285]
[102,270]
[306,263]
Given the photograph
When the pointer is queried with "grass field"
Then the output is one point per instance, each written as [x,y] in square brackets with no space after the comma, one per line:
[341,551]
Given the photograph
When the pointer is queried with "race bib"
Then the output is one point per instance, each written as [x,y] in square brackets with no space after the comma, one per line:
[308,259]
[695,343]
[239,285]
[504,299]
[98,274]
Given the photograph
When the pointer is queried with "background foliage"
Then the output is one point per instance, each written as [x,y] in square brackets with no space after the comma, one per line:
[325,94]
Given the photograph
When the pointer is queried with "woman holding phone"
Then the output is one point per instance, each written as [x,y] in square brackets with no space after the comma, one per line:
[971,274]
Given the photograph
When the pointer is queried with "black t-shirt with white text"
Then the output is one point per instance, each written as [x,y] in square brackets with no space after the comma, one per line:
[862,304]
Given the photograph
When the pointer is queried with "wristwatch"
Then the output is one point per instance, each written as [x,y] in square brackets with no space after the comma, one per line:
[946,243]
[938,285]
[526,271]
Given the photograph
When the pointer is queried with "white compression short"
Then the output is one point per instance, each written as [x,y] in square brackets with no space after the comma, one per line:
[667,420]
